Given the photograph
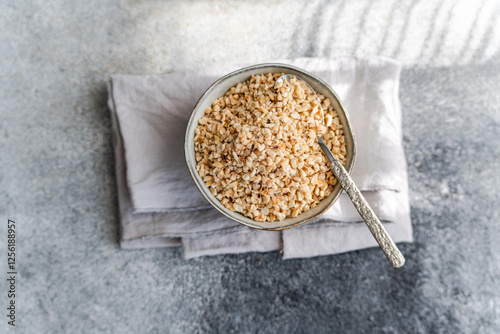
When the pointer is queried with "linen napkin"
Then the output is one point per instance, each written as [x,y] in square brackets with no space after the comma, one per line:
[160,205]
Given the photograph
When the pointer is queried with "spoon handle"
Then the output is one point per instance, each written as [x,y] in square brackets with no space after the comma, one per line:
[374,225]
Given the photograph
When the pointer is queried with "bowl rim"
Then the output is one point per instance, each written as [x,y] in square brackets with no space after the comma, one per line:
[350,164]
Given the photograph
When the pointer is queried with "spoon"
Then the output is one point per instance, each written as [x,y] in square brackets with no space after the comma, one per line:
[374,225]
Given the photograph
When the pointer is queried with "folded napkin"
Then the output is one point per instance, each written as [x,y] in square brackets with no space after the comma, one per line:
[160,205]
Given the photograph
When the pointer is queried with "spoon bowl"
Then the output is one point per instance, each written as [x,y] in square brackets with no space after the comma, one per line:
[218,89]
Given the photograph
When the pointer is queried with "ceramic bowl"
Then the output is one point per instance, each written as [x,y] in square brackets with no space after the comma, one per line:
[218,89]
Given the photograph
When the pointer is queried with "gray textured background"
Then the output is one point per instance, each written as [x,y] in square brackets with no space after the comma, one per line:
[57,178]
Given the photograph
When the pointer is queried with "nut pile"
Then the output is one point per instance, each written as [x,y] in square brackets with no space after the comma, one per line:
[256,148]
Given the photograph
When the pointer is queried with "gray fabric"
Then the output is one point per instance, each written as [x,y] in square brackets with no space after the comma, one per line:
[158,199]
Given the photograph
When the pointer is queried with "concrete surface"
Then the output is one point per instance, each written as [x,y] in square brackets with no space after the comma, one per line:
[57,178]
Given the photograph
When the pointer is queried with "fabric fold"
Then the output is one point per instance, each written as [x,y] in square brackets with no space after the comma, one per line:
[160,205]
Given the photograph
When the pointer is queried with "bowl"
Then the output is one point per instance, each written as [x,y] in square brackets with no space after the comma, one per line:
[218,89]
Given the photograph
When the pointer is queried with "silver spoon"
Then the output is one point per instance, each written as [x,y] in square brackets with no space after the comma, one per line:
[374,225]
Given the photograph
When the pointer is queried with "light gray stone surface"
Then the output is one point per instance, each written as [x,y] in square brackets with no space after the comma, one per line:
[57,176]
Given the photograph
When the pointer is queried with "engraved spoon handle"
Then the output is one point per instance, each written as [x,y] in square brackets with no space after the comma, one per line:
[374,225]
